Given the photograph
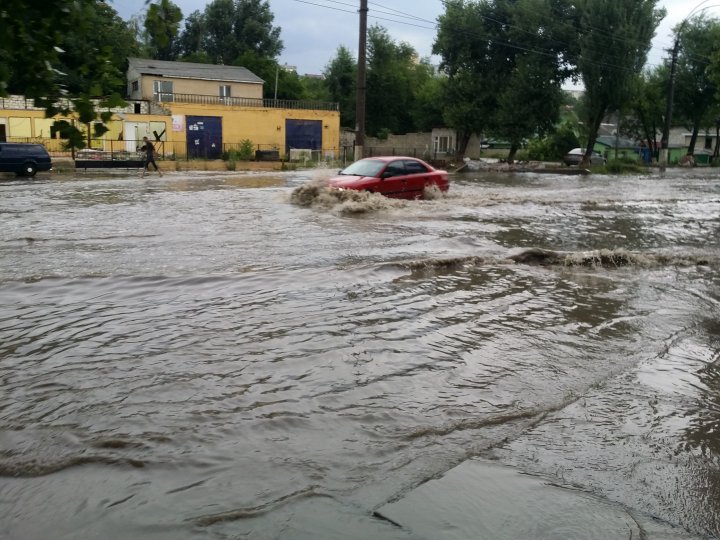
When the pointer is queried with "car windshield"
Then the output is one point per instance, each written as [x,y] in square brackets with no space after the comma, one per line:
[364,167]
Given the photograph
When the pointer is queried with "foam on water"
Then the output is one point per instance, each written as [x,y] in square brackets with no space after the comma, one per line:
[346,201]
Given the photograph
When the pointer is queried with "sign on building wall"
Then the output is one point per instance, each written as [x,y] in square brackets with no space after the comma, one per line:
[178,122]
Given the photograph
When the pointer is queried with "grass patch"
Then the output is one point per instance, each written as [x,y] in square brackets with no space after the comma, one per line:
[621,167]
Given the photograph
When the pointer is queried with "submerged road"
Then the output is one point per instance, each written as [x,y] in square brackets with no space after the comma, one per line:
[237,355]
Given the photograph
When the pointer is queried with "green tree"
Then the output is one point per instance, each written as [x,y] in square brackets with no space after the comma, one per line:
[289,83]
[505,61]
[63,54]
[614,39]
[340,79]
[647,107]
[427,111]
[94,62]
[162,28]
[392,73]
[315,88]
[190,41]
[695,89]
[389,91]
[229,30]
[30,44]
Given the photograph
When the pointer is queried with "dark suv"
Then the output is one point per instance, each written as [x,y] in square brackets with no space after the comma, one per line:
[24,159]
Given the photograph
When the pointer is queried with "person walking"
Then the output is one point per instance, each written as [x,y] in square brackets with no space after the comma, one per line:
[149,150]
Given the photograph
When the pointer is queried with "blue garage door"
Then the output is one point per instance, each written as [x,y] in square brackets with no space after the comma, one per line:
[306,134]
[204,136]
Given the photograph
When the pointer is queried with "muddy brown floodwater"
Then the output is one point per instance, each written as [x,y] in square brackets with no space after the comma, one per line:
[249,356]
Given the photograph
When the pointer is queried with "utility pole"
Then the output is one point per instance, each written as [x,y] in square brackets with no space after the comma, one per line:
[277,73]
[361,85]
[669,107]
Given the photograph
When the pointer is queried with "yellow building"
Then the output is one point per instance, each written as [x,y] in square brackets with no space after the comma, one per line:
[193,111]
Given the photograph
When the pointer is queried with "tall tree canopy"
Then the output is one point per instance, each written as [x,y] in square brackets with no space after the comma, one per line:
[29,44]
[695,89]
[228,31]
[614,39]
[162,29]
[95,62]
[340,79]
[505,61]
[66,48]
[647,107]
[389,73]
[191,40]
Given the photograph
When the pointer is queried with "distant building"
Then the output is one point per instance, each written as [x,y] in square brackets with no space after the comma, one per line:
[162,81]
[194,110]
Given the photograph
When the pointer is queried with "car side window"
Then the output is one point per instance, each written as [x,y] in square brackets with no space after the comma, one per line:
[395,168]
[415,167]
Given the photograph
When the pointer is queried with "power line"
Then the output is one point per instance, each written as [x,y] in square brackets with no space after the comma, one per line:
[422,23]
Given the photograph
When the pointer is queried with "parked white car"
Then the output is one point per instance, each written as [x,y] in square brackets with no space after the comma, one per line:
[575,156]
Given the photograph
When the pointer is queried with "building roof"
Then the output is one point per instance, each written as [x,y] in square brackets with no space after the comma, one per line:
[621,142]
[193,70]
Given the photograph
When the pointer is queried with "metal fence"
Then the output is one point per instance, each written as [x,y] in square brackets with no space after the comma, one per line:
[421,153]
[55,147]
[196,99]
[119,150]
[99,148]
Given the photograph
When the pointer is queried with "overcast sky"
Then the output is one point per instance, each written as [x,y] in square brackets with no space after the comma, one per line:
[312,30]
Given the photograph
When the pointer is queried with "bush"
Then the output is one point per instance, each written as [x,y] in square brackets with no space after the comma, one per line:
[540,150]
[554,146]
[621,166]
[246,152]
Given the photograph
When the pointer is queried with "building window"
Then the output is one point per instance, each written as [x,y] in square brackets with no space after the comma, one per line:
[224,90]
[708,143]
[163,90]
[135,86]
[442,144]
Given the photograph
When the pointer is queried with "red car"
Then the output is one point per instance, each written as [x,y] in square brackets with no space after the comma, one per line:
[392,176]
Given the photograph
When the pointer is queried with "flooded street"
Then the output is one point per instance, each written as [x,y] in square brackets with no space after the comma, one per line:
[236,355]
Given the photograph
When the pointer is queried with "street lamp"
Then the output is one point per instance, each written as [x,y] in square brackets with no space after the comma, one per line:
[671,86]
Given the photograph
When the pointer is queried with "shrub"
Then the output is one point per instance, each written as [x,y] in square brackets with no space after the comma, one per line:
[540,149]
[554,146]
[620,166]
[247,150]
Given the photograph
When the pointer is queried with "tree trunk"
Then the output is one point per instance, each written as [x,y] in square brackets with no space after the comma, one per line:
[716,153]
[462,142]
[693,139]
[592,138]
[646,132]
[511,155]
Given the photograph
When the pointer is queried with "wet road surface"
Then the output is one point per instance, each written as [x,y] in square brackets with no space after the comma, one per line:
[243,355]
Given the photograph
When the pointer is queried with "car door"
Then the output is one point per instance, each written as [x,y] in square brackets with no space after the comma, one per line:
[417,178]
[393,180]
